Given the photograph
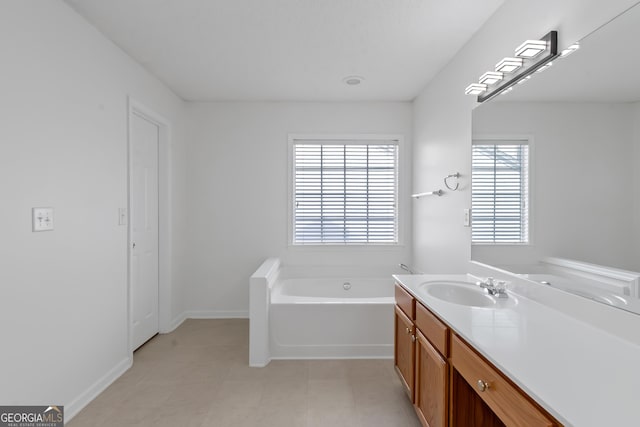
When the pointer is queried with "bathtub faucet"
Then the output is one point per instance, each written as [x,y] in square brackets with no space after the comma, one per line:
[406,268]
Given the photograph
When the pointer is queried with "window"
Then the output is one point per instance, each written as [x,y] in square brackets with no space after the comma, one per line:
[500,192]
[345,192]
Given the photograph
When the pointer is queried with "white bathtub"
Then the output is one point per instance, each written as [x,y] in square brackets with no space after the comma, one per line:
[607,294]
[318,318]
[333,291]
[331,318]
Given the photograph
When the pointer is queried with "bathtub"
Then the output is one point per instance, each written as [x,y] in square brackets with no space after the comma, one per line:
[320,318]
[617,297]
[333,291]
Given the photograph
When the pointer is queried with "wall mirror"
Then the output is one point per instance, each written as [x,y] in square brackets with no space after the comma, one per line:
[581,117]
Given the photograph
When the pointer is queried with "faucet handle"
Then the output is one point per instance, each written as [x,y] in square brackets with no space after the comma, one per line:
[487,283]
[501,289]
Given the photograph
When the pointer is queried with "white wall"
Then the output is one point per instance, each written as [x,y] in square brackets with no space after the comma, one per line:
[238,189]
[63,144]
[442,117]
[636,184]
[582,180]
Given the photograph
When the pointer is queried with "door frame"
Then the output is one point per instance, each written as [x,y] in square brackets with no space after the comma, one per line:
[164,218]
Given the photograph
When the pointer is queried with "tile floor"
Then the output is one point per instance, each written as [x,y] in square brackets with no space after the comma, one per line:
[198,375]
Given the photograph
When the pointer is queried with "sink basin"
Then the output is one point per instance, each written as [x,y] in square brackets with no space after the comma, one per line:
[463,293]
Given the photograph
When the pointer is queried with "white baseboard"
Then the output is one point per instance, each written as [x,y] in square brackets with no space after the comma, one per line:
[175,323]
[204,314]
[72,409]
[383,357]
[217,314]
[337,351]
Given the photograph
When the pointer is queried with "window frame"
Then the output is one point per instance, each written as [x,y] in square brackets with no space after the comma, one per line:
[400,179]
[504,140]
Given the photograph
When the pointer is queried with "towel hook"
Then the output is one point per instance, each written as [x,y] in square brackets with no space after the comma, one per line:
[456,176]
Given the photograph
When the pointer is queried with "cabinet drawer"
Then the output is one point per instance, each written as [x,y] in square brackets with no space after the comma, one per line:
[508,402]
[433,329]
[406,302]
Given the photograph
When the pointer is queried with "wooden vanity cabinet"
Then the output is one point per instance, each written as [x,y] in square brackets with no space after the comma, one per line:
[420,359]
[448,382]
[404,337]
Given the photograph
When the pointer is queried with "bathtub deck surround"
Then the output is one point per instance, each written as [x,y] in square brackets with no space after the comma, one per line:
[260,284]
[332,316]
[582,373]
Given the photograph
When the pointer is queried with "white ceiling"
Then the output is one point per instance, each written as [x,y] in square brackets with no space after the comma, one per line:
[290,49]
[604,69]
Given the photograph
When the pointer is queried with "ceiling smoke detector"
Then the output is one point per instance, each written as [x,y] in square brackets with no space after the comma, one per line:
[353,80]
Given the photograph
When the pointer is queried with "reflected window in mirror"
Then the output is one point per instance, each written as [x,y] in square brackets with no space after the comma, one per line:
[500,191]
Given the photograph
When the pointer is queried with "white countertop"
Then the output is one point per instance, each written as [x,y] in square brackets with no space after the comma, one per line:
[582,375]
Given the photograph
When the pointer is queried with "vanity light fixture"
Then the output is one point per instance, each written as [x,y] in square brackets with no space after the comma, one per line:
[491,77]
[475,89]
[531,56]
[531,48]
[509,65]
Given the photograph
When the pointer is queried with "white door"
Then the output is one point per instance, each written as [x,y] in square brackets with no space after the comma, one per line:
[144,146]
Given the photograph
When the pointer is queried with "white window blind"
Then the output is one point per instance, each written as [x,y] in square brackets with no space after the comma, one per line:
[500,192]
[345,192]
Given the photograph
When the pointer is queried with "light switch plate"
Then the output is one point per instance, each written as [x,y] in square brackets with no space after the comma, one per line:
[42,219]
[467,217]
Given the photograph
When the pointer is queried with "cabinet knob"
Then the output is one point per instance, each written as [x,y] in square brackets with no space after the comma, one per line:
[482,386]
[413,338]
[409,330]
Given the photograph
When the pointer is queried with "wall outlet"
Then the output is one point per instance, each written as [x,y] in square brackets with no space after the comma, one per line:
[467,217]
[42,219]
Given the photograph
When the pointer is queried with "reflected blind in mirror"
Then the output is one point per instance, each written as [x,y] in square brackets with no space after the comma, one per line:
[500,192]
[345,192]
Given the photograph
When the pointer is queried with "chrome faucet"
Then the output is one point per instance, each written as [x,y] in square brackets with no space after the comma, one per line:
[497,289]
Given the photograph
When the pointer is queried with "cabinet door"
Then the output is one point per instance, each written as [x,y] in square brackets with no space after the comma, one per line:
[404,350]
[431,384]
